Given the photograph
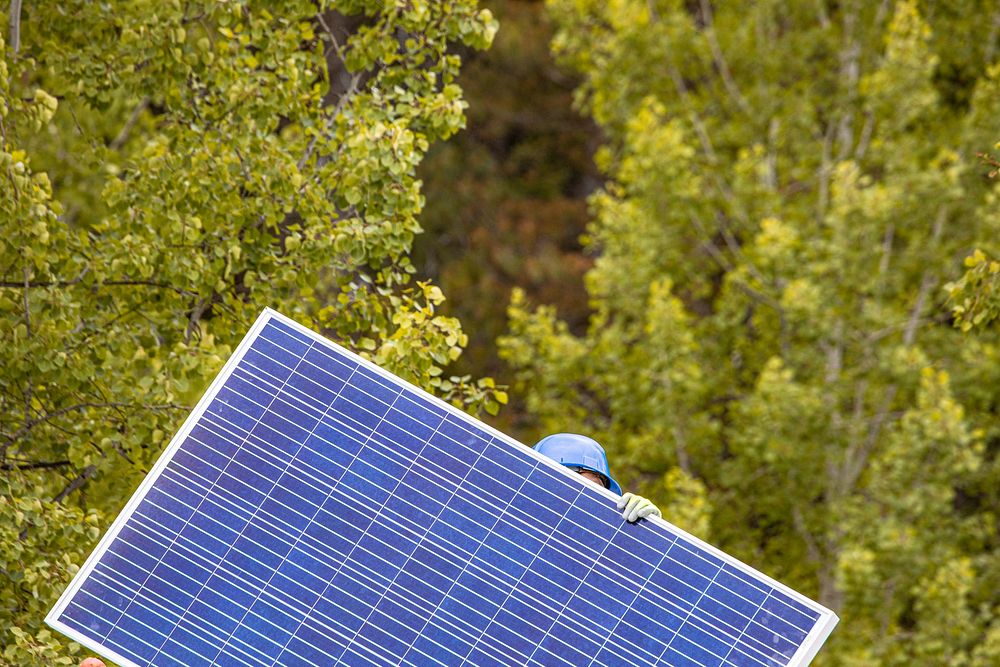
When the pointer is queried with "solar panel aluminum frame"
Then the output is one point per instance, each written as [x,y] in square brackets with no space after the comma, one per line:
[803,656]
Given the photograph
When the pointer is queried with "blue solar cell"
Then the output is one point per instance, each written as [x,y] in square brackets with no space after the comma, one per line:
[697,559]
[800,615]
[315,510]
[753,589]
[550,489]
[419,411]
[309,646]
[272,359]
[764,630]
[287,336]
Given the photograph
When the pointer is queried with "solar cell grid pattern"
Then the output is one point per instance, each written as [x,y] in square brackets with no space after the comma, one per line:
[320,512]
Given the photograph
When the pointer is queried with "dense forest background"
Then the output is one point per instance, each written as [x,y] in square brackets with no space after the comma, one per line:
[750,247]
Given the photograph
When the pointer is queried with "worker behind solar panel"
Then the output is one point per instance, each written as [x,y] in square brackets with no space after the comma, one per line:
[586,456]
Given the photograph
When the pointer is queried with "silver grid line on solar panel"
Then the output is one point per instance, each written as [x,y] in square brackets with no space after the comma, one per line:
[743,632]
[580,583]
[297,402]
[690,612]
[629,607]
[514,586]
[375,555]
[371,554]
[465,567]
[382,509]
[435,475]
[318,508]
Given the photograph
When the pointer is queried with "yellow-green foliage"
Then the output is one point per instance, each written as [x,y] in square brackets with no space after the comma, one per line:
[976,295]
[43,545]
[169,169]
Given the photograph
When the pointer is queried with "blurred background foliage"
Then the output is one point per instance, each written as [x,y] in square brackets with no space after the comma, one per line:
[775,348]
[748,246]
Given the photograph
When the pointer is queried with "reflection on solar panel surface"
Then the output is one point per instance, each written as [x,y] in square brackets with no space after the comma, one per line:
[316,510]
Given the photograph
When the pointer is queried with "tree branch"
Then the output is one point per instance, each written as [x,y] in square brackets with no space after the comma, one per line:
[850,72]
[772,159]
[23,284]
[34,466]
[991,40]
[866,136]
[126,130]
[812,547]
[858,453]
[149,283]
[824,18]
[26,285]
[29,388]
[196,314]
[720,60]
[32,423]
[330,119]
[680,448]
[887,240]
[77,483]
[825,171]
[15,26]
[713,249]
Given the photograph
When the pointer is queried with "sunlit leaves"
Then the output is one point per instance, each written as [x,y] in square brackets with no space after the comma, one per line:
[976,294]
[170,168]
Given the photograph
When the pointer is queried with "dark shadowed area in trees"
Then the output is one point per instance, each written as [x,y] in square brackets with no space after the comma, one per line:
[506,197]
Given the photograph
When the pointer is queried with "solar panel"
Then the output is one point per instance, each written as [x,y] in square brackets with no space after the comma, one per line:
[317,510]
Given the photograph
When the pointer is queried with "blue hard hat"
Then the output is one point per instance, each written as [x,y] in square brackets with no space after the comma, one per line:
[578,451]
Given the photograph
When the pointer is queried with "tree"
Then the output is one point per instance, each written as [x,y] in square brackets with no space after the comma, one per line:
[770,354]
[169,169]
